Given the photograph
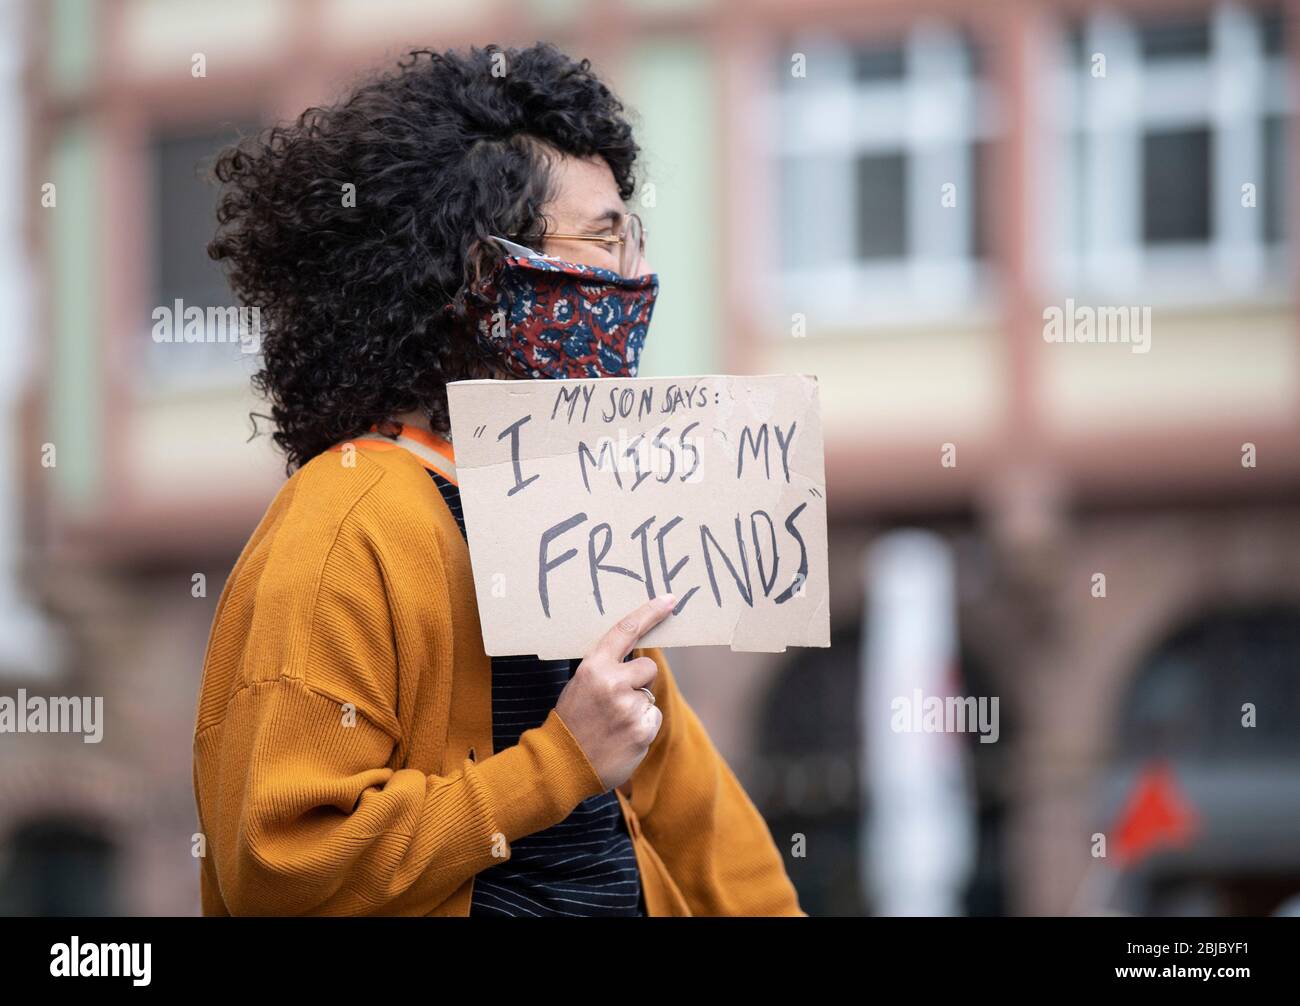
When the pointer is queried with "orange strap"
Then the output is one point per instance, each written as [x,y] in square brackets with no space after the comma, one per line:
[430,449]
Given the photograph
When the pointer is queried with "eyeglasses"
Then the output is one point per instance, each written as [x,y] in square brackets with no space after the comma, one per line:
[631,242]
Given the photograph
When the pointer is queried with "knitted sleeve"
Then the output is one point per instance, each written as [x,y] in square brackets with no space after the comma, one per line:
[701,822]
[301,794]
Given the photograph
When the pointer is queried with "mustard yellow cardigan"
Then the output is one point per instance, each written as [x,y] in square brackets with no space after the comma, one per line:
[343,760]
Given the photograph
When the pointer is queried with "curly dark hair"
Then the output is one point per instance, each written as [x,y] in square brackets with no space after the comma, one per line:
[363,307]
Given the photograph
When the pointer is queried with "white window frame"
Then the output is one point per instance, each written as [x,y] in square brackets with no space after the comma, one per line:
[1097,245]
[933,117]
[163,370]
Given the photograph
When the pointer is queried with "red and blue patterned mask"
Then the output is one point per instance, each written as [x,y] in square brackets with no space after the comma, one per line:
[544,317]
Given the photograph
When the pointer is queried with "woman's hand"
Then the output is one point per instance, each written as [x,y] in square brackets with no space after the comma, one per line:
[603,705]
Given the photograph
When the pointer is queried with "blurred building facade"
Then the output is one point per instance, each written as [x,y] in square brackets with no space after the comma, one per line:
[889,196]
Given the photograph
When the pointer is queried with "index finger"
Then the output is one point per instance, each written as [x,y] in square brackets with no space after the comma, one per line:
[620,640]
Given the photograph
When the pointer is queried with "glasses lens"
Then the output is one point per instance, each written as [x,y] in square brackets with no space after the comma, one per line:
[633,244]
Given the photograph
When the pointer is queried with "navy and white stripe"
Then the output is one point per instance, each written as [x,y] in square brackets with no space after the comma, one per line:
[582,866]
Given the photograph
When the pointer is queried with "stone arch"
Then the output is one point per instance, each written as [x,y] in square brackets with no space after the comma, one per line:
[1182,708]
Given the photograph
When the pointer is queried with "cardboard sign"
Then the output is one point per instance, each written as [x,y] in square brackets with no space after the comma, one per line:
[585,498]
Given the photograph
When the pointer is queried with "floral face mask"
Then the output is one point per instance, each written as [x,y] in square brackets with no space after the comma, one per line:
[548,318]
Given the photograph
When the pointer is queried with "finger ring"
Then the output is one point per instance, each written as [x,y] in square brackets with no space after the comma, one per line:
[649,694]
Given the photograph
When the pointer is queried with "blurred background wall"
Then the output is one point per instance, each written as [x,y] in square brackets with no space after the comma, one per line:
[886,195]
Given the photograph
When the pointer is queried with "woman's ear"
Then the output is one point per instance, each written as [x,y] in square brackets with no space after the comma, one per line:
[480,254]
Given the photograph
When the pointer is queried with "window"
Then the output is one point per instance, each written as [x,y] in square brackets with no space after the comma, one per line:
[1171,160]
[184,213]
[881,193]
[1172,38]
[880,147]
[1275,190]
[1176,186]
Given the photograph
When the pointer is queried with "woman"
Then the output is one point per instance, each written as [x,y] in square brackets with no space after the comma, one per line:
[356,751]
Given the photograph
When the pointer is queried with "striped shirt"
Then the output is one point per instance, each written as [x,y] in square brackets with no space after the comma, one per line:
[584,865]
